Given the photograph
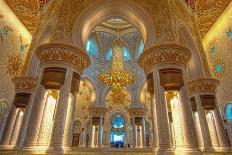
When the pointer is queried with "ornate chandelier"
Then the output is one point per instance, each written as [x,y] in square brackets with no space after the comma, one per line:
[115,76]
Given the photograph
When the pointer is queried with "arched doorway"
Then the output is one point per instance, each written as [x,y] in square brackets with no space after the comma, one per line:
[118,133]
[76,133]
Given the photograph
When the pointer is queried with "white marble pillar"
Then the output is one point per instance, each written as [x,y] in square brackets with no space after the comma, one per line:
[139,136]
[9,126]
[100,132]
[57,134]
[151,139]
[46,122]
[25,120]
[203,125]
[187,121]
[212,130]
[176,126]
[35,118]
[155,136]
[91,134]
[83,138]
[3,120]
[134,132]
[16,128]
[223,138]
[136,136]
[143,131]
[162,116]
[68,132]
[198,130]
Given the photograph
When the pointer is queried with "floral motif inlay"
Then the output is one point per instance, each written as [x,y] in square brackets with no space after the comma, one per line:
[203,85]
[25,83]
[57,52]
[164,53]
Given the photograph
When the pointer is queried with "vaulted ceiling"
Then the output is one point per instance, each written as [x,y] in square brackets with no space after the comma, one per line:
[208,12]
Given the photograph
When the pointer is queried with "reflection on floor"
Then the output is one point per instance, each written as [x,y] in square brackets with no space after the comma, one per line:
[101,151]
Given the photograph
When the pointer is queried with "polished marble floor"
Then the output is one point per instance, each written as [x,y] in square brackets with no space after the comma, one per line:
[103,151]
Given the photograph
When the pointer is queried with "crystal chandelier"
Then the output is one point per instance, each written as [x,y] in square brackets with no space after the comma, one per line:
[116,77]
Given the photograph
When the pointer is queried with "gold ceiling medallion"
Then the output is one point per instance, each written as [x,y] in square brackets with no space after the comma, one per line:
[116,77]
[14,65]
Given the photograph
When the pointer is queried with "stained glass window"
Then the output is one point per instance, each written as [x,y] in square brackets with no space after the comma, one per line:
[229,34]
[118,122]
[219,68]
[77,124]
[229,111]
[213,50]
[92,48]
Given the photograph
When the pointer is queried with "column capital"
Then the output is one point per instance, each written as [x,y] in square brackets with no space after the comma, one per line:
[202,86]
[137,112]
[25,84]
[97,111]
[63,55]
[164,54]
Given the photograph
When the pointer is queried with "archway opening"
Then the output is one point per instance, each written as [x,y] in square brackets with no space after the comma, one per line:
[95,14]
[118,131]
[99,42]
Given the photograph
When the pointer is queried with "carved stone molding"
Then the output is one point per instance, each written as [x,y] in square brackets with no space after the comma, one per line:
[166,53]
[202,86]
[97,111]
[25,84]
[137,112]
[63,54]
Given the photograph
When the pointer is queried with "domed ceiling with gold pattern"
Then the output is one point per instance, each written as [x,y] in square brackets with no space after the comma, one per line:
[208,11]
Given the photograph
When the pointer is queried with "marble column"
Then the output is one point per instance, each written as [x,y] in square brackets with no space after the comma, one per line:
[100,134]
[25,120]
[91,139]
[46,124]
[162,116]
[187,121]
[134,132]
[155,136]
[223,139]
[198,130]
[144,132]
[203,125]
[16,128]
[83,138]
[176,125]
[213,130]
[57,134]
[35,118]
[9,126]
[68,132]
[2,126]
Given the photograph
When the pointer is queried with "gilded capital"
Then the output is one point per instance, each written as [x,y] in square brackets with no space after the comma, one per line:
[138,112]
[201,86]
[166,53]
[63,54]
[25,84]
[97,111]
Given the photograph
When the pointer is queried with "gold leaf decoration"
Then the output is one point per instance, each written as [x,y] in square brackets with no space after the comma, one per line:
[14,65]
